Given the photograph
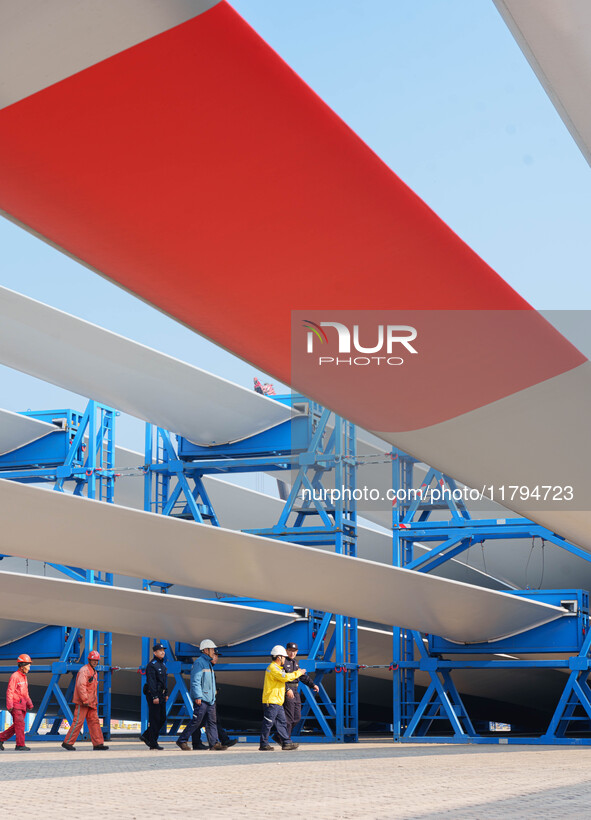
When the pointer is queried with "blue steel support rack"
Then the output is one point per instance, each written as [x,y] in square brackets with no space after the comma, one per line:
[311,447]
[410,520]
[80,451]
[568,635]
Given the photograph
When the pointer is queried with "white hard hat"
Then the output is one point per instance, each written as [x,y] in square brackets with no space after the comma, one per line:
[278,650]
[207,644]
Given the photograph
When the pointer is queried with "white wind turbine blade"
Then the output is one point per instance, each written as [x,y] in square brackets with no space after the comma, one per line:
[84,358]
[131,611]
[131,542]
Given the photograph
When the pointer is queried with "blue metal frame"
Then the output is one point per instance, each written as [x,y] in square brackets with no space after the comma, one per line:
[81,450]
[308,447]
[412,719]
[441,701]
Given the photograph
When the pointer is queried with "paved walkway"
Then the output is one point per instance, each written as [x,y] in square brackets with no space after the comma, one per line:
[365,780]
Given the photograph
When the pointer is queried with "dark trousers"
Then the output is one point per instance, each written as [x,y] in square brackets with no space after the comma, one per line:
[223,736]
[204,713]
[293,710]
[273,715]
[156,719]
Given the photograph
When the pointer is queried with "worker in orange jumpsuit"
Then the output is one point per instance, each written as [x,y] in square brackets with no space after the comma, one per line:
[17,703]
[86,700]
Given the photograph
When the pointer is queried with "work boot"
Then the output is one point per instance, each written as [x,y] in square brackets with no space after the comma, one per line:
[266,748]
[157,748]
[290,747]
[22,748]
[200,747]
[69,747]
[1,746]
[182,744]
[232,742]
[100,748]
[144,739]
[217,747]
[277,739]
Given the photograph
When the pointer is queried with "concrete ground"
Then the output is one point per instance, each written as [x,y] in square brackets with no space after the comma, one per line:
[366,780]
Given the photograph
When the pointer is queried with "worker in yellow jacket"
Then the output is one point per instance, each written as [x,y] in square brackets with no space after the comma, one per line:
[273,697]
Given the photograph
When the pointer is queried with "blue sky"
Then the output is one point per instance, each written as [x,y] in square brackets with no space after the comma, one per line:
[441,92]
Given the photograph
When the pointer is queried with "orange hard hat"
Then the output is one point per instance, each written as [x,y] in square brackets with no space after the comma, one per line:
[94,656]
[23,659]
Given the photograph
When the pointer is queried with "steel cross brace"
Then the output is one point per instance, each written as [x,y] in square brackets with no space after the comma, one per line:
[312,704]
[441,699]
[576,693]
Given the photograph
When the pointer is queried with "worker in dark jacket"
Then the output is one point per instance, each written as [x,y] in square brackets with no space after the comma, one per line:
[156,692]
[293,700]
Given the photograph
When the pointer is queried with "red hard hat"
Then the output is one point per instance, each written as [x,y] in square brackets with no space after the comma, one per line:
[94,656]
[23,659]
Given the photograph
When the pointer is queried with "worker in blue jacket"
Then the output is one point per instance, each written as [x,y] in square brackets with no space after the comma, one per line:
[223,736]
[203,691]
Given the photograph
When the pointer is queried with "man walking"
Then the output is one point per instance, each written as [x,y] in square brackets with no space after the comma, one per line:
[156,692]
[17,703]
[203,696]
[273,698]
[86,700]
[293,698]
[223,736]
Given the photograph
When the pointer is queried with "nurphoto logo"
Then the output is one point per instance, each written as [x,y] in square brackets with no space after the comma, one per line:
[386,340]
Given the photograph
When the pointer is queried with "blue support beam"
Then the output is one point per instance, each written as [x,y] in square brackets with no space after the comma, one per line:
[412,720]
[308,447]
[80,454]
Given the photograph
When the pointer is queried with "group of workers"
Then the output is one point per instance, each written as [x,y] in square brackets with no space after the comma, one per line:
[281,701]
[18,703]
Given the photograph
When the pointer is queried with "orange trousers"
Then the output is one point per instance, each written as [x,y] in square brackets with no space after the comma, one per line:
[17,728]
[90,715]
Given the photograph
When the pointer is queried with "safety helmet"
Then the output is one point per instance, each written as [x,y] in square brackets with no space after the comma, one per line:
[23,659]
[94,656]
[278,650]
[207,644]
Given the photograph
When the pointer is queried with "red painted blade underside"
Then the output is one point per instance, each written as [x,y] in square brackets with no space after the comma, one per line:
[199,172]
